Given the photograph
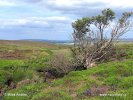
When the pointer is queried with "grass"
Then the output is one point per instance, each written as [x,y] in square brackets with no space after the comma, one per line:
[5,63]
[77,82]
[117,75]
[35,56]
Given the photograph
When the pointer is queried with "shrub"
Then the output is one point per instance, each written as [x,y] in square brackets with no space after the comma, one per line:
[4,76]
[62,63]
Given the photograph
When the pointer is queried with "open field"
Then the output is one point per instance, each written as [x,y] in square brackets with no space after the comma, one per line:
[22,66]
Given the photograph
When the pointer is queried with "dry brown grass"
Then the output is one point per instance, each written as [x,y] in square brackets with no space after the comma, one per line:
[27,43]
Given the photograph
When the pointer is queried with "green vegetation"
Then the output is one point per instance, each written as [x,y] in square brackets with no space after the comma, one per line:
[25,76]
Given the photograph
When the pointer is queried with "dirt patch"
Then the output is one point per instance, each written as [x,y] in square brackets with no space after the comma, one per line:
[24,82]
[96,91]
[16,54]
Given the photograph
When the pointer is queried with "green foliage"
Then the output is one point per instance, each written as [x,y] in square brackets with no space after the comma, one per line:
[4,75]
[126,83]
[38,62]
[14,70]
[107,16]
[112,81]
[7,63]
[80,23]
[21,74]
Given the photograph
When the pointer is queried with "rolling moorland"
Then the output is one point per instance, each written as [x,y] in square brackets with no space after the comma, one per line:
[24,66]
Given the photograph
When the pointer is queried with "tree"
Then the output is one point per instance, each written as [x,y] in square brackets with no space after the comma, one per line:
[95,37]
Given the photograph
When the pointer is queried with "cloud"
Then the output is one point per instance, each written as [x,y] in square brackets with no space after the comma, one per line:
[32,1]
[52,16]
[80,8]
[87,7]
[35,21]
[78,3]
[54,27]
[77,8]
[7,3]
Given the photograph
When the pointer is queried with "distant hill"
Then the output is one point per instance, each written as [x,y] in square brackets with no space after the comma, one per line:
[48,41]
[45,43]
[26,43]
[126,39]
[70,41]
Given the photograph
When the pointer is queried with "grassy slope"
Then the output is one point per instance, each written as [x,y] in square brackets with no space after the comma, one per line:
[33,55]
[117,75]
[72,86]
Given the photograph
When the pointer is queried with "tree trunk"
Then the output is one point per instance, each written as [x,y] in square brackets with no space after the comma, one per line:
[89,64]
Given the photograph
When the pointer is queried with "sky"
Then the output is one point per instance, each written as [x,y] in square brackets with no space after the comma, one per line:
[51,19]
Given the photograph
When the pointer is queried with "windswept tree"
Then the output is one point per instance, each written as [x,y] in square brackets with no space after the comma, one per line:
[95,37]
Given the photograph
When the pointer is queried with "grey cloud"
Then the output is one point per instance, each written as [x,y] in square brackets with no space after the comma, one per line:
[84,8]
[37,25]
[78,10]
[32,1]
